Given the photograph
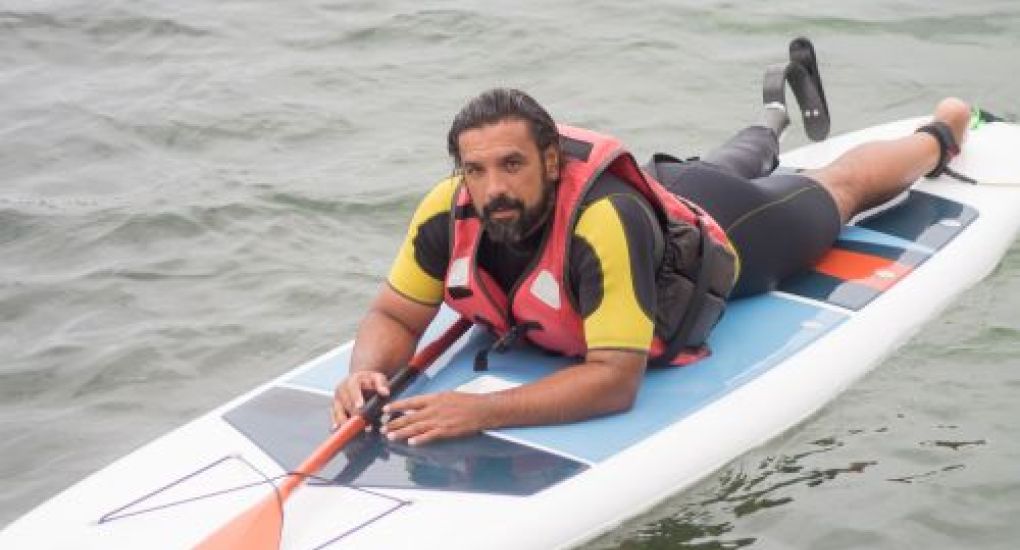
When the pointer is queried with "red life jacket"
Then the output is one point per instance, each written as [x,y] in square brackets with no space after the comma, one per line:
[691,287]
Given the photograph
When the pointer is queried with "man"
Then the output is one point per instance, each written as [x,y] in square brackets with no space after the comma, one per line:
[525,231]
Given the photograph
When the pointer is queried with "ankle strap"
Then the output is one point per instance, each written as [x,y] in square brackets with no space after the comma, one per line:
[948,148]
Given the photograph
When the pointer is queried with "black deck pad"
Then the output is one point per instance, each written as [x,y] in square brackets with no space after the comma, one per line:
[287,424]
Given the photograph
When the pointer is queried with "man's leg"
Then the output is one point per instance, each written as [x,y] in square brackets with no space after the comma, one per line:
[782,223]
[872,173]
[751,153]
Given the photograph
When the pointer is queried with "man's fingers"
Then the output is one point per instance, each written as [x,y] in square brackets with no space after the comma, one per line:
[357,389]
[418,423]
[410,429]
[427,436]
[370,382]
[404,414]
[409,404]
[417,431]
[419,419]
[381,384]
[339,412]
[398,421]
[349,395]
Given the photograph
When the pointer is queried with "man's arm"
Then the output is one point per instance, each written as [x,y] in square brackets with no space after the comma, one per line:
[385,341]
[404,306]
[605,383]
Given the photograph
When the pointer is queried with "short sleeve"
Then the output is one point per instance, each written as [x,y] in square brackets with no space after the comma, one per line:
[613,272]
[420,266]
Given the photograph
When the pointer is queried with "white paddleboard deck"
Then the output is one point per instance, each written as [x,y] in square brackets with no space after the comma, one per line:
[777,359]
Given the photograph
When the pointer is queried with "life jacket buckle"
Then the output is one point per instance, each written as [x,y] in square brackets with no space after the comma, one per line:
[503,343]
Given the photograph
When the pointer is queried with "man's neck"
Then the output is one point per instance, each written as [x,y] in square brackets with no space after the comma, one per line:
[506,262]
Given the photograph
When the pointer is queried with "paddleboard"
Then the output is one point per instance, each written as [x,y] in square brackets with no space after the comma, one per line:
[777,358]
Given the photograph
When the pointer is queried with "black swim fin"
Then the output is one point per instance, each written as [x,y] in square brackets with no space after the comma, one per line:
[806,82]
[801,72]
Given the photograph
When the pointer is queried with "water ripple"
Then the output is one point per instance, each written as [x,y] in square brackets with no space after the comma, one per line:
[110,25]
[429,28]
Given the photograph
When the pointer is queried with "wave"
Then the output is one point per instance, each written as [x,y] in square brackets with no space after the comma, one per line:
[365,205]
[105,25]
[425,27]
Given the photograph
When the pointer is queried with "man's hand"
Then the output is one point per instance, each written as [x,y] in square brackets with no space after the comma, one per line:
[386,339]
[349,395]
[431,417]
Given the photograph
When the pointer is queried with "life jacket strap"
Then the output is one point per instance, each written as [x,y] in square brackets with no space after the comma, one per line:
[503,343]
[695,307]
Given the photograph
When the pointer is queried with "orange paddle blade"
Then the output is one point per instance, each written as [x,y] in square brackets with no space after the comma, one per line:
[259,528]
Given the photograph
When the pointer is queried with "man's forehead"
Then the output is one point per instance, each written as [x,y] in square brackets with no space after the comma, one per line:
[499,138]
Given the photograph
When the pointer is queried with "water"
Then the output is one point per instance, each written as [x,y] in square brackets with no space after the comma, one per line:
[197,196]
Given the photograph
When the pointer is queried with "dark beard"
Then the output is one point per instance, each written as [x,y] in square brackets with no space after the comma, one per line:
[527,222]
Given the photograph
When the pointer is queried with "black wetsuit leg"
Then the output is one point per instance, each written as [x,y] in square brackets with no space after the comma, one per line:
[752,153]
[779,223]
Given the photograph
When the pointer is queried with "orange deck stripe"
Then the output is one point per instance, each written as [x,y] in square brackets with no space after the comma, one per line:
[874,271]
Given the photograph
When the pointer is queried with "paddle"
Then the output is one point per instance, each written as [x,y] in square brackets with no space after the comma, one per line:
[261,526]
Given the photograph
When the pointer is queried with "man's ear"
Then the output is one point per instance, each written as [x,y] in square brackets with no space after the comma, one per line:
[551,158]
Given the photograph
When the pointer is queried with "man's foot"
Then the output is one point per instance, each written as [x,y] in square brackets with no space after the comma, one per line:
[955,113]
[948,129]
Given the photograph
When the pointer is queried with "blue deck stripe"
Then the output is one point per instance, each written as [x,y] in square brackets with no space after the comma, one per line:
[755,335]
[863,234]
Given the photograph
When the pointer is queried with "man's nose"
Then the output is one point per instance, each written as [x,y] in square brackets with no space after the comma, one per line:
[496,184]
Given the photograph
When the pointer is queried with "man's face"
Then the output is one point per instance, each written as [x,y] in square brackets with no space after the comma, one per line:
[510,181]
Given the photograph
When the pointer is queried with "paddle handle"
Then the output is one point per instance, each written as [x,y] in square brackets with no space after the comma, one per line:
[357,423]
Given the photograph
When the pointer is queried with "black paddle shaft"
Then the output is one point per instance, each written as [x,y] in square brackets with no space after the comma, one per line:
[372,409]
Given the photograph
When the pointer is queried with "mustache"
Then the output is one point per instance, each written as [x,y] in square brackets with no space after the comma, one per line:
[501,203]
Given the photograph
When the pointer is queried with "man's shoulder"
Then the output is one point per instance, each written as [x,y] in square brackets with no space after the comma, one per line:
[609,185]
[612,197]
[626,213]
[446,187]
[438,201]
[616,223]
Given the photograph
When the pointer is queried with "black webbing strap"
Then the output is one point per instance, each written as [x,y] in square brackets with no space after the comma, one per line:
[948,148]
[956,175]
[679,340]
[502,344]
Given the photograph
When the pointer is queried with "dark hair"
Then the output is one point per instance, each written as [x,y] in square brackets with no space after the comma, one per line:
[498,104]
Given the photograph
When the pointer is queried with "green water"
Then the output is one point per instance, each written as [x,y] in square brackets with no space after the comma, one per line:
[197,196]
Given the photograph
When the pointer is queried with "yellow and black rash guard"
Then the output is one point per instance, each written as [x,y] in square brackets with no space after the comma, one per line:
[611,265]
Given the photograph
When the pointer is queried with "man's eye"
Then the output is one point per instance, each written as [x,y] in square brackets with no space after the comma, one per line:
[512,165]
